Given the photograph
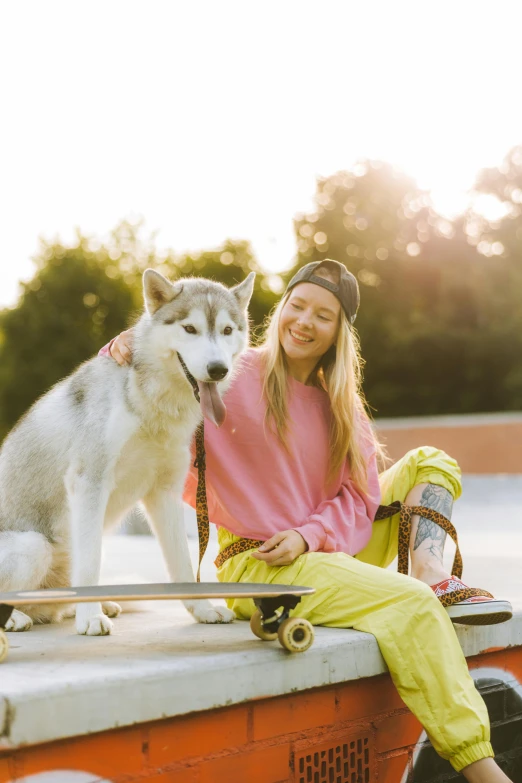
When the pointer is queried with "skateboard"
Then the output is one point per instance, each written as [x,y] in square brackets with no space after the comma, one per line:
[270,621]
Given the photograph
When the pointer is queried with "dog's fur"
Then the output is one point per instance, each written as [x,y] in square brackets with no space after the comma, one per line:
[109,436]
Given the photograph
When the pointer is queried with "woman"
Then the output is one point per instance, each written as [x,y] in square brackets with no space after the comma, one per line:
[295,466]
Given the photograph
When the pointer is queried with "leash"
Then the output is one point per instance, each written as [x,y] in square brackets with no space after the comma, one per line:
[200,464]
[406,512]
[383,512]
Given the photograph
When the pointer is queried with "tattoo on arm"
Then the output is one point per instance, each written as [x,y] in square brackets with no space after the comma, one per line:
[440,500]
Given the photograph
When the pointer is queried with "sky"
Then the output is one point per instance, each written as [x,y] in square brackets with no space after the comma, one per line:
[212,120]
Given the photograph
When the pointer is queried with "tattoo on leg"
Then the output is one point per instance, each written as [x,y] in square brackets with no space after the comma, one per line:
[440,500]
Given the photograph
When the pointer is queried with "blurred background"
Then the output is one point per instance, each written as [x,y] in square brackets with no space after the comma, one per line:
[215,138]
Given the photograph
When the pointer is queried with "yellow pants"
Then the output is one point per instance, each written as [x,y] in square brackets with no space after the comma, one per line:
[414,633]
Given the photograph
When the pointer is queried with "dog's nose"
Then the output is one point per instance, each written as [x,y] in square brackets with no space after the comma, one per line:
[217,370]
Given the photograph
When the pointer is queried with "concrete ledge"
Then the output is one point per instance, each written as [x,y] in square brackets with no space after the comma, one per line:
[160,664]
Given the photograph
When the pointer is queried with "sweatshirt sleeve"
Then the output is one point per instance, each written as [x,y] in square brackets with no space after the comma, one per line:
[344,523]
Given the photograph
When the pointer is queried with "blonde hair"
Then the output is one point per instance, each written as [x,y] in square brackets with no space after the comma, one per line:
[339,373]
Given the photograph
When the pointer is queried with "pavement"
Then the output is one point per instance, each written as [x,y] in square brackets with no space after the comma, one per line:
[158,663]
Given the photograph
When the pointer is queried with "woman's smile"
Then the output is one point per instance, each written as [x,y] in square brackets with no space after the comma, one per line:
[300,337]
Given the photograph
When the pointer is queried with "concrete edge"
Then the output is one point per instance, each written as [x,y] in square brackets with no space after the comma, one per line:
[153,694]
[156,693]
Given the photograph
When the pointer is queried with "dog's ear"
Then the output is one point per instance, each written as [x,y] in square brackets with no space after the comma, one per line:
[157,290]
[243,291]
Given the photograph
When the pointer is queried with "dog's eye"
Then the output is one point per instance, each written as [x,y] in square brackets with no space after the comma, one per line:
[189,329]
[227,330]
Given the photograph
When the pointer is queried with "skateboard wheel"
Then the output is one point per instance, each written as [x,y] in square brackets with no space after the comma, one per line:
[295,634]
[4,646]
[256,626]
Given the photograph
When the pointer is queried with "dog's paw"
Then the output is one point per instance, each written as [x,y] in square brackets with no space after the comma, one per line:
[19,622]
[111,609]
[96,625]
[212,614]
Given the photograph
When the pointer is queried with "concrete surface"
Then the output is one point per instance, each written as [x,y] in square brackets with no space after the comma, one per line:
[159,663]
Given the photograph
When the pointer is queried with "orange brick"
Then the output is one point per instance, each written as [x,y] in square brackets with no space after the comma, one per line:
[397,731]
[276,717]
[197,735]
[391,770]
[268,765]
[110,754]
[367,698]
[5,774]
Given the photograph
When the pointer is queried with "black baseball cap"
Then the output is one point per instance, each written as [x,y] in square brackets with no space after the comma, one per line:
[346,290]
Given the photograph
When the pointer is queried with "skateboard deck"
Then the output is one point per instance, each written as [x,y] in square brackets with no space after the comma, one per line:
[173,591]
[271,620]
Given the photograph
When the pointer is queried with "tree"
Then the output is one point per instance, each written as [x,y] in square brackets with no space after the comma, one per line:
[499,241]
[431,304]
[77,300]
[82,296]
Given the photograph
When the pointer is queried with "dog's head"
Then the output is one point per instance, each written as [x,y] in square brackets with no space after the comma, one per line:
[205,323]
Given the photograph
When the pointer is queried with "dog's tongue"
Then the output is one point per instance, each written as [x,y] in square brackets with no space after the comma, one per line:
[212,406]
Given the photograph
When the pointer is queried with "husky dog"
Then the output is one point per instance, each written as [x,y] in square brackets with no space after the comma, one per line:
[108,436]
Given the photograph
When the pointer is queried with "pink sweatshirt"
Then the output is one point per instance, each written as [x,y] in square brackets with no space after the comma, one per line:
[256,489]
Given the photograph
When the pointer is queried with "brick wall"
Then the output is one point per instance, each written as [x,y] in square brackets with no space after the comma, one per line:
[356,732]
[480,444]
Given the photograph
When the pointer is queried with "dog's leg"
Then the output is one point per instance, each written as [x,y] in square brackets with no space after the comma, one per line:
[87,502]
[165,513]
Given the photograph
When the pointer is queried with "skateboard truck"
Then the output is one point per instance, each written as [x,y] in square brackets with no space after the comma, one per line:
[271,617]
[272,620]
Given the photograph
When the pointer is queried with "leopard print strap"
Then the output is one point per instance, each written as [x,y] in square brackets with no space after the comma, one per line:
[406,512]
[200,464]
[448,599]
[201,496]
[242,545]
[383,512]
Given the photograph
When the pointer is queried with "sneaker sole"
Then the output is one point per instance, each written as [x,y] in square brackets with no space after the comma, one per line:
[492,613]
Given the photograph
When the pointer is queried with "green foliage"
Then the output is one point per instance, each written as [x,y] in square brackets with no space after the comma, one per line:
[440,318]
[82,296]
[440,322]
[77,300]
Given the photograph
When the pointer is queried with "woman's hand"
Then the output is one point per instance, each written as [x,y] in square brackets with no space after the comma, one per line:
[282,549]
[121,348]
